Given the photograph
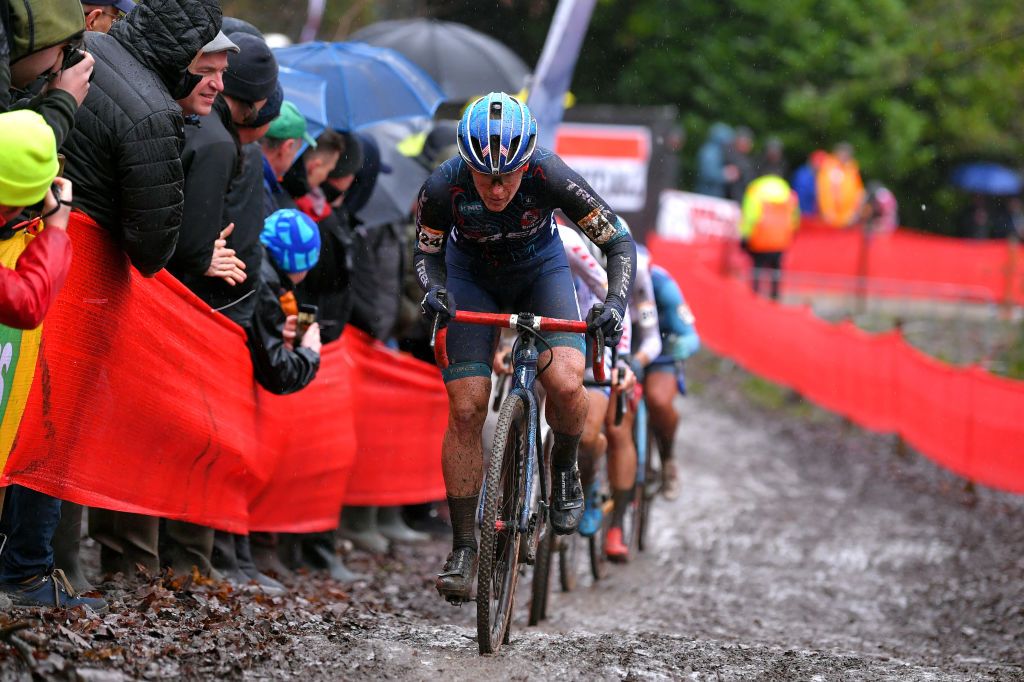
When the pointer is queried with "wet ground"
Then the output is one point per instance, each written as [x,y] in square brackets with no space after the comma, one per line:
[801,548]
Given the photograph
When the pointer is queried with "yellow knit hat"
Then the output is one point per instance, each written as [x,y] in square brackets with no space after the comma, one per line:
[28,158]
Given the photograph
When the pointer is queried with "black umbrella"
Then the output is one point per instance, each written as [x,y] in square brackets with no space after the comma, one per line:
[463,61]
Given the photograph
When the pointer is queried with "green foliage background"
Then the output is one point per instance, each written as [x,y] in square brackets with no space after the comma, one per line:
[915,85]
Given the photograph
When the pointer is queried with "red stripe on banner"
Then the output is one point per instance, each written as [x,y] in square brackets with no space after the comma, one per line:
[964,419]
[601,143]
[144,401]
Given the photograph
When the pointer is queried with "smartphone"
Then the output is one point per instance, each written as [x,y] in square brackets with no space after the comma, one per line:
[61,160]
[307,316]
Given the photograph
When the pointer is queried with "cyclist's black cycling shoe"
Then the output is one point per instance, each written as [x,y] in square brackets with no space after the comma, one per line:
[455,582]
[566,500]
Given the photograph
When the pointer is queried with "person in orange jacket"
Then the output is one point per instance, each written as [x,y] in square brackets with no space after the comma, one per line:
[28,178]
[771,214]
[840,187]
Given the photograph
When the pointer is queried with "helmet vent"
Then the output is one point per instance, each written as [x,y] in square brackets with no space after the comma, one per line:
[513,147]
[496,159]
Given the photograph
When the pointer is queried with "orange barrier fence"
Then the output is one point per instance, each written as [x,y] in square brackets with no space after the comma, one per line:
[144,401]
[964,419]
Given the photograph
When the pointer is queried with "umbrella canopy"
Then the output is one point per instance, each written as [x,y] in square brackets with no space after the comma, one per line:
[364,84]
[396,190]
[308,93]
[987,178]
[464,62]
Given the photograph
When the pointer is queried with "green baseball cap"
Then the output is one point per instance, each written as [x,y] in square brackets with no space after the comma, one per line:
[290,125]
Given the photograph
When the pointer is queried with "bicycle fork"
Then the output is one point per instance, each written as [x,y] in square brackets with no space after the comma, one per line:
[524,374]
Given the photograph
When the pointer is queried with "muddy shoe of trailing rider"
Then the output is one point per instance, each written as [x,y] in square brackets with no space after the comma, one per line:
[614,547]
[567,500]
[670,480]
[593,515]
[455,581]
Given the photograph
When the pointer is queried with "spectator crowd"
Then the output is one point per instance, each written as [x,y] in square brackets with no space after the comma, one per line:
[164,124]
[827,187]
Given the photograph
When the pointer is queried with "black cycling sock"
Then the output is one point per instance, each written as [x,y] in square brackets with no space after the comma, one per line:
[621,500]
[463,513]
[563,450]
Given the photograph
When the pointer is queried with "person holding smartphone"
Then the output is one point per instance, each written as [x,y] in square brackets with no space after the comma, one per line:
[281,362]
[28,178]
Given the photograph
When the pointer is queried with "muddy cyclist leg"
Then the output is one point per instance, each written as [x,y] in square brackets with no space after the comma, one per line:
[593,442]
[621,460]
[462,453]
[566,412]
[660,391]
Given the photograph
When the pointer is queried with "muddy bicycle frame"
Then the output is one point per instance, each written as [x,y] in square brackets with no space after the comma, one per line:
[509,511]
[524,375]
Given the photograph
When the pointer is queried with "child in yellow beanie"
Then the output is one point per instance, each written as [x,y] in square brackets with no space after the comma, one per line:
[28,180]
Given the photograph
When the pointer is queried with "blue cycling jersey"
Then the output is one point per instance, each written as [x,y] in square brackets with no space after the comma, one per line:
[674,317]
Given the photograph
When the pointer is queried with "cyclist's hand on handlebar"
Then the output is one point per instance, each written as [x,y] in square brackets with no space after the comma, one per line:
[623,378]
[502,363]
[608,318]
[438,301]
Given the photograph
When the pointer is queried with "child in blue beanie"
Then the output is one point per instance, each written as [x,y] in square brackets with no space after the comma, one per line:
[293,241]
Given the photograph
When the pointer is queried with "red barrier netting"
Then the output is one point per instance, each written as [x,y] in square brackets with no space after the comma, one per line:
[143,399]
[144,402]
[310,436]
[400,414]
[992,269]
[964,419]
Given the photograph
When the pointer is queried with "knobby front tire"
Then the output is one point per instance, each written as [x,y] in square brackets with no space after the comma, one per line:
[541,584]
[569,560]
[649,490]
[499,543]
[541,587]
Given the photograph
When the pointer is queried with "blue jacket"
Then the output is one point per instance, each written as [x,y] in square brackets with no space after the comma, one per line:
[711,161]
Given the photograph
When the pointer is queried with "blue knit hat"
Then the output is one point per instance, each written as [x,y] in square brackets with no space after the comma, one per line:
[293,239]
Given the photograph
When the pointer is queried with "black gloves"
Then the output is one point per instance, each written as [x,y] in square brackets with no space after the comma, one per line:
[438,301]
[607,317]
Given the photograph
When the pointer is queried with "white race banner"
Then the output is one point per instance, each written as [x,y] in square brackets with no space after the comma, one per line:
[613,159]
[688,217]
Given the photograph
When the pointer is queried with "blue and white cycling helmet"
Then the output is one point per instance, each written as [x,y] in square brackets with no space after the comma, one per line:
[497,134]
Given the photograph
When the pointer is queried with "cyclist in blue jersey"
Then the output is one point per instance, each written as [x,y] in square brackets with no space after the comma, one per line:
[665,374]
[486,242]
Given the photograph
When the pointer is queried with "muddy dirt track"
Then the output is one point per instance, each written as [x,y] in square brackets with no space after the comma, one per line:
[801,549]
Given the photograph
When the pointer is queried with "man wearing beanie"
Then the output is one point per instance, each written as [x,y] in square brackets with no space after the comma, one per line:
[211,160]
[281,144]
[28,170]
[124,155]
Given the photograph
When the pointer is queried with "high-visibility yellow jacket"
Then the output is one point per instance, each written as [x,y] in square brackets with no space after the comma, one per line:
[771,214]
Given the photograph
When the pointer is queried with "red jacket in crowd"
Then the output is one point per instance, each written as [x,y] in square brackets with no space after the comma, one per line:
[28,291]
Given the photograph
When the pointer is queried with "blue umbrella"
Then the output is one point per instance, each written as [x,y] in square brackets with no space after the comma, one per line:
[308,92]
[365,84]
[987,178]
